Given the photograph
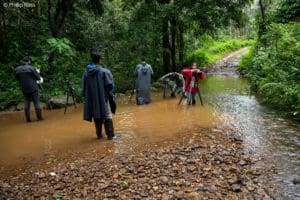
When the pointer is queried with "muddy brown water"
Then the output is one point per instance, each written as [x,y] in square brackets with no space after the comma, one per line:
[229,104]
[160,122]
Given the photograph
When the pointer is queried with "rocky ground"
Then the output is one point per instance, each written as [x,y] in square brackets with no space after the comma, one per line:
[227,66]
[211,166]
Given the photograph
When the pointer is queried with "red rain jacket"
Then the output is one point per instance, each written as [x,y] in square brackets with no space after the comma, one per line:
[188,74]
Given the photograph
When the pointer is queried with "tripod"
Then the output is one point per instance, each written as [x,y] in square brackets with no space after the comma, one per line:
[70,92]
[189,100]
[199,94]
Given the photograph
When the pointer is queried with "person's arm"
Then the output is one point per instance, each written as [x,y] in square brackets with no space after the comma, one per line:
[202,75]
[181,78]
[151,70]
[187,72]
[15,73]
[166,76]
[36,74]
[108,82]
[83,82]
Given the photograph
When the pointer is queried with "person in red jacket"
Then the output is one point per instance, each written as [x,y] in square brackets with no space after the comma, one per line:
[192,77]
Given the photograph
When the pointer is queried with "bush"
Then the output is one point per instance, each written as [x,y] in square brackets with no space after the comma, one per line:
[274,67]
[11,93]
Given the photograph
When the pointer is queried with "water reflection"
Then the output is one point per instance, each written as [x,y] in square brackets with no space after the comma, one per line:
[263,132]
[138,126]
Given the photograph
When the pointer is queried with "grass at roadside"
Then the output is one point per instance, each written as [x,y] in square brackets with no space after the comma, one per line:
[211,51]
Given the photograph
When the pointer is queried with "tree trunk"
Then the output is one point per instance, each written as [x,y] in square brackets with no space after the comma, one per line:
[166,45]
[57,19]
[3,43]
[173,38]
[181,44]
[39,8]
[262,25]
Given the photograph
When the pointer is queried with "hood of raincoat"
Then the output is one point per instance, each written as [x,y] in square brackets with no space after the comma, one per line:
[91,69]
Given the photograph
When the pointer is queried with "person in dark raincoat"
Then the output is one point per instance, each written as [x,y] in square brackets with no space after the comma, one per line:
[97,84]
[143,73]
[28,76]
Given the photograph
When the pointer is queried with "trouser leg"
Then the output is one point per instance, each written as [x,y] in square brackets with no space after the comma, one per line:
[174,88]
[108,123]
[109,128]
[193,98]
[98,125]
[189,97]
[36,102]
[27,98]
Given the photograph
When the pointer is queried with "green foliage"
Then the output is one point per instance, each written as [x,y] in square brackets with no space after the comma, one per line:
[58,63]
[247,59]
[211,50]
[60,55]
[287,11]
[10,94]
[62,33]
[274,67]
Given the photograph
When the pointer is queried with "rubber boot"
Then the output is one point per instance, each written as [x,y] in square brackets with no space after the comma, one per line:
[39,114]
[193,102]
[109,129]
[98,126]
[27,115]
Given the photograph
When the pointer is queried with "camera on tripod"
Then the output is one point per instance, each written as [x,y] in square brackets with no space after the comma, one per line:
[70,92]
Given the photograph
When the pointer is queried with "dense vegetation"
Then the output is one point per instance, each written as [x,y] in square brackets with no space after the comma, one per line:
[60,34]
[273,63]
[210,50]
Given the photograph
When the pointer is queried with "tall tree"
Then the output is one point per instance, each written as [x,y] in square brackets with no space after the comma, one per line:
[57,15]
[3,43]
[173,41]
[262,24]
[166,45]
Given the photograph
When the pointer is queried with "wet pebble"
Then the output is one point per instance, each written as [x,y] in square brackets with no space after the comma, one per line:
[236,187]
[214,170]
[164,179]
[243,162]
[296,181]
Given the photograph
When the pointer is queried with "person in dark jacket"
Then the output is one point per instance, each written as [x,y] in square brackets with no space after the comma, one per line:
[28,76]
[97,84]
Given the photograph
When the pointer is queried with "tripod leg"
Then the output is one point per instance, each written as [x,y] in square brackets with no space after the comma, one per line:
[67,101]
[181,99]
[131,94]
[200,97]
[164,93]
[73,97]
